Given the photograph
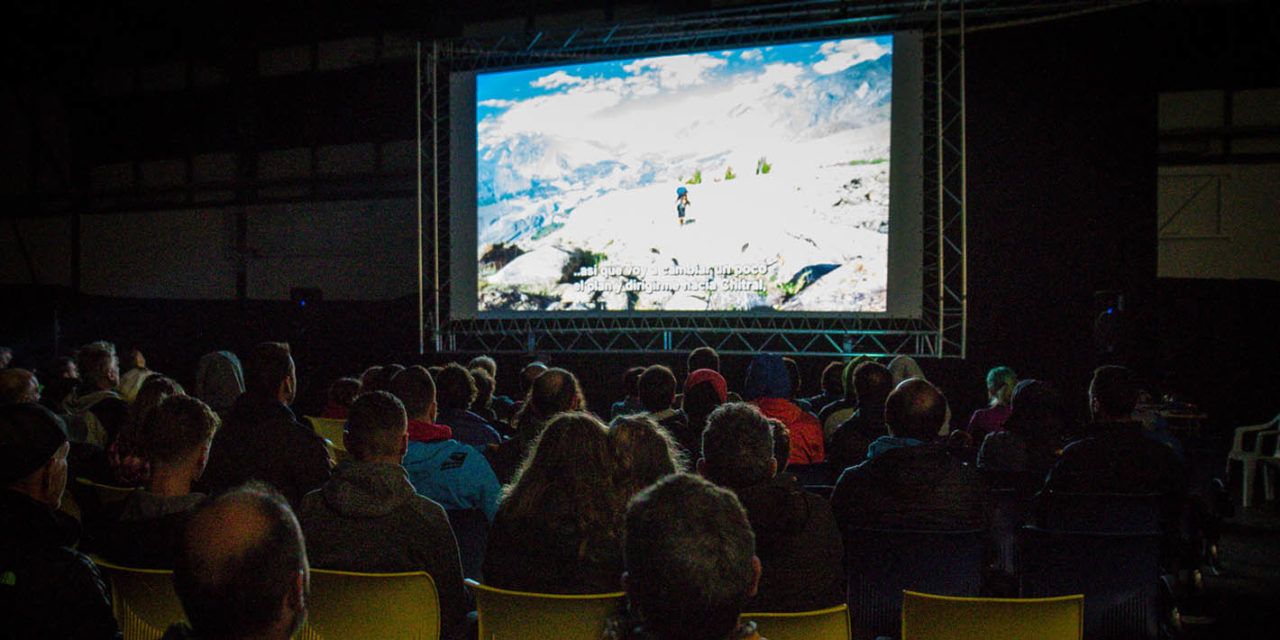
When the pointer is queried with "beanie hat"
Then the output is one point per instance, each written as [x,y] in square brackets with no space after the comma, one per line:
[708,375]
[29,435]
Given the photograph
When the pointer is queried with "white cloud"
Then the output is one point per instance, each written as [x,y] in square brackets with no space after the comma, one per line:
[557,79]
[677,71]
[497,104]
[752,55]
[840,55]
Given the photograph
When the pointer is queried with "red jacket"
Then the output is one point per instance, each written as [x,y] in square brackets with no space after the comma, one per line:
[806,431]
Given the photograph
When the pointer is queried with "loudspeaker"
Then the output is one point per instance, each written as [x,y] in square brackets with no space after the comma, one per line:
[303,296]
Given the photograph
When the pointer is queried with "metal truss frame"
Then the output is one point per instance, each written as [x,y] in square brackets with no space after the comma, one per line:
[939,332]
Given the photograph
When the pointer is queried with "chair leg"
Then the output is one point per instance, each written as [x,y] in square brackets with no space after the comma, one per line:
[1246,483]
[1267,489]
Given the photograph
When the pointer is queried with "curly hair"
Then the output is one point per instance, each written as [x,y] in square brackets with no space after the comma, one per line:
[570,472]
[645,451]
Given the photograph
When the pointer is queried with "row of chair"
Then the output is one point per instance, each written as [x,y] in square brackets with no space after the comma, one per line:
[405,605]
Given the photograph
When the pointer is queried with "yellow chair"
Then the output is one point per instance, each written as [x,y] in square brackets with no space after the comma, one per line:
[819,624]
[331,429]
[143,600]
[926,617]
[344,604]
[516,615]
[107,494]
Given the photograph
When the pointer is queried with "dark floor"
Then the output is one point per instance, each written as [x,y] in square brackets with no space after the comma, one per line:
[1243,601]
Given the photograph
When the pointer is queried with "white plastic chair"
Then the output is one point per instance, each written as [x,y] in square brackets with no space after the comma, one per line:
[1248,457]
[1269,464]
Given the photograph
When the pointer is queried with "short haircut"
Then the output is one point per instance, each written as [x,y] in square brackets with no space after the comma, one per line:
[916,409]
[737,445]
[375,378]
[703,358]
[657,388]
[872,383]
[176,428]
[94,361]
[266,366]
[454,387]
[631,380]
[484,387]
[14,384]
[489,365]
[375,425]
[529,374]
[793,374]
[343,391]
[415,389]
[832,379]
[688,550]
[1115,390]
[231,586]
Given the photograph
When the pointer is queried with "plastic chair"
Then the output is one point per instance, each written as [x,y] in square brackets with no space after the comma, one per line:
[1246,449]
[820,624]
[143,600]
[1118,573]
[471,530]
[1010,509]
[106,494]
[881,564]
[331,429]
[516,615]
[930,617]
[344,604]
[1269,464]
[1099,512]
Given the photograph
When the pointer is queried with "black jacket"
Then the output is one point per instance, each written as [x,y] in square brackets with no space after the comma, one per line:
[798,545]
[1117,458]
[47,589]
[262,440]
[847,445]
[913,488]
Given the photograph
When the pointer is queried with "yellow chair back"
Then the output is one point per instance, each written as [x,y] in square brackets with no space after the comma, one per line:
[330,428]
[107,494]
[820,624]
[345,604]
[517,615]
[929,617]
[143,600]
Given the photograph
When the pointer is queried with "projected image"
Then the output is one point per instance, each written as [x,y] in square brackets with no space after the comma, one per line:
[720,181]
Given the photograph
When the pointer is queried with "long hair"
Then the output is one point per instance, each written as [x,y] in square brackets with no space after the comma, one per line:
[645,452]
[570,472]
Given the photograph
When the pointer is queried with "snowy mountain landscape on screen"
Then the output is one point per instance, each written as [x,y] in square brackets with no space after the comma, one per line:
[782,152]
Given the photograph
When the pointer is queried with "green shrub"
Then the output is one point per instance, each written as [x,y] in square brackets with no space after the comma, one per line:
[729,174]
[697,177]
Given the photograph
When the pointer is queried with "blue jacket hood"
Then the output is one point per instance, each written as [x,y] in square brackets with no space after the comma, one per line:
[767,378]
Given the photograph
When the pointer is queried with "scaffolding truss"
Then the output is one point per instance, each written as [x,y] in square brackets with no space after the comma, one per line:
[939,331]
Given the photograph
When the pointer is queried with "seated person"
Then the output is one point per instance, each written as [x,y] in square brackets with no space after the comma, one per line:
[835,413]
[631,403]
[18,386]
[915,483]
[175,436]
[847,445]
[796,536]
[454,475]
[95,411]
[832,387]
[768,386]
[559,527]
[645,452]
[704,390]
[368,518]
[48,590]
[1000,383]
[691,568]
[554,391]
[342,392]
[657,387]
[242,568]
[1020,456]
[455,391]
[483,404]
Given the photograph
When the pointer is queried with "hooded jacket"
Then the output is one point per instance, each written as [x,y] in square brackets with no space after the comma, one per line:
[469,428]
[367,517]
[798,544]
[453,474]
[219,380]
[96,417]
[47,588]
[768,385]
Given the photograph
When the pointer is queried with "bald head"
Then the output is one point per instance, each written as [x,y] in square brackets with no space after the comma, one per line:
[915,409]
[530,373]
[17,386]
[243,566]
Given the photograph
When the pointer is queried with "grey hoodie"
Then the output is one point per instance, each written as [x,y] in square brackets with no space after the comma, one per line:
[368,518]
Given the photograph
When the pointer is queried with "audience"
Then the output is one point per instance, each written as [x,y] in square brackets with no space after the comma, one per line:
[558,529]
[631,403]
[912,481]
[6,357]
[553,391]
[832,387]
[261,439]
[368,518]
[796,536]
[95,410]
[704,390]
[793,374]
[835,413]
[1020,456]
[176,435]
[342,392]
[129,465]
[18,386]
[48,589]
[454,475]
[645,452]
[848,444]
[1000,383]
[242,568]
[60,377]
[134,373]
[455,391]
[691,567]
[483,404]
[219,381]
[767,387]
[905,368]
[658,396]
[375,378]
[503,406]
